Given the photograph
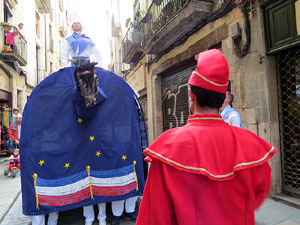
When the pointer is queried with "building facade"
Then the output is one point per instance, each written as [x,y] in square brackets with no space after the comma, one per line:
[32,33]
[261,41]
[31,53]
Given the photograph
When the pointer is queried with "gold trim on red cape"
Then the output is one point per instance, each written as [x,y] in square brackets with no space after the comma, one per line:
[169,146]
[206,171]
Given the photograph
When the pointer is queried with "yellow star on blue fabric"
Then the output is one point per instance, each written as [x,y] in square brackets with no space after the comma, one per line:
[124,157]
[79,120]
[41,162]
[92,138]
[67,165]
[98,153]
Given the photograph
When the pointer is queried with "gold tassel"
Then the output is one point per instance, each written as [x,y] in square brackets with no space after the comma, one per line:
[91,190]
[137,185]
[36,194]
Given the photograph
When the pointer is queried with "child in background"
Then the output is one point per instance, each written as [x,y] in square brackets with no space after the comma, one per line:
[15,113]
[14,161]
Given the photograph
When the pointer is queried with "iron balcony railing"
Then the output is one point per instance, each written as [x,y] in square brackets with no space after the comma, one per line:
[165,22]
[159,14]
[168,21]
[132,43]
[13,44]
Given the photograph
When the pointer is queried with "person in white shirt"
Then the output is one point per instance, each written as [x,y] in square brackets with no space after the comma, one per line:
[228,113]
[77,46]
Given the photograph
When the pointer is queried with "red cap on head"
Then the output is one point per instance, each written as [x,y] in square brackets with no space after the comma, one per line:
[212,71]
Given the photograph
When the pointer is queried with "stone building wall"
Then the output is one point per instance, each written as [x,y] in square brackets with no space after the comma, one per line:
[254,80]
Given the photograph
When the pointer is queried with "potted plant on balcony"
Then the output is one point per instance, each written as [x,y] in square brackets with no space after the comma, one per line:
[136,34]
[5,26]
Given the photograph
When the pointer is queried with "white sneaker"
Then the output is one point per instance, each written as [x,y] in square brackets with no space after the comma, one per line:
[88,223]
[102,222]
[9,174]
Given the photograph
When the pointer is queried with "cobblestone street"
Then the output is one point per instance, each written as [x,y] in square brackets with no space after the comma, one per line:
[11,205]
[71,217]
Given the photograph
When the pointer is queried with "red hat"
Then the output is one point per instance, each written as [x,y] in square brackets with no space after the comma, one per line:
[212,71]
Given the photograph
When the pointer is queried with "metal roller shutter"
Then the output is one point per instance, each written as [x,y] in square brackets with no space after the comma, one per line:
[175,101]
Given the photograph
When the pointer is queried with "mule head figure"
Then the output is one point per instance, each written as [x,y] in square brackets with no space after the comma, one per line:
[86,80]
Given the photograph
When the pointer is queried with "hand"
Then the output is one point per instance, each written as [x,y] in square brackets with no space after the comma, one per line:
[17,142]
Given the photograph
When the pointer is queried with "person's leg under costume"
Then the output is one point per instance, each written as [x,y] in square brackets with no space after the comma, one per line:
[40,219]
[130,204]
[88,213]
[118,208]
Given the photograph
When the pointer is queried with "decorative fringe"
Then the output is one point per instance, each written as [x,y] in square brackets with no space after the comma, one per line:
[36,194]
[88,168]
[137,185]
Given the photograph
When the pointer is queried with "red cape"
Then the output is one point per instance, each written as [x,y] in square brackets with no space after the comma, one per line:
[206,173]
[214,149]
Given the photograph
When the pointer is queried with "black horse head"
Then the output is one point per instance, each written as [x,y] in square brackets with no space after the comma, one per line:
[87,81]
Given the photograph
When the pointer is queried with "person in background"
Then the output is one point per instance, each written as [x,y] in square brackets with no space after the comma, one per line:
[15,134]
[16,111]
[79,46]
[20,30]
[14,161]
[20,26]
[206,172]
[228,113]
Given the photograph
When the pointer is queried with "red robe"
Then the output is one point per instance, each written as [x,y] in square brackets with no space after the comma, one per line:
[13,134]
[206,173]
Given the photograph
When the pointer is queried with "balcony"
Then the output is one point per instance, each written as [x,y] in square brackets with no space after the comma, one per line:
[43,6]
[13,45]
[132,44]
[167,21]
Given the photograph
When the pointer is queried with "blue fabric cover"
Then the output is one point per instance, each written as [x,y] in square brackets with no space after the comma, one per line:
[51,132]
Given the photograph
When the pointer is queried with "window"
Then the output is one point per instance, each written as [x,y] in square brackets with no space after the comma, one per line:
[282,24]
[7,12]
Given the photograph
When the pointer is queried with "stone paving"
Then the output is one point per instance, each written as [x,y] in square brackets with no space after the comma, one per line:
[271,213]
[276,213]
[10,188]
[15,215]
